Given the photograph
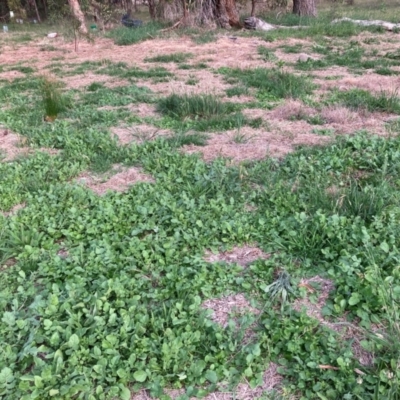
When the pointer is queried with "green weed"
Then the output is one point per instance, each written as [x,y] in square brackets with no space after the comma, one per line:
[362,99]
[237,91]
[168,58]
[193,106]
[123,36]
[53,101]
[277,83]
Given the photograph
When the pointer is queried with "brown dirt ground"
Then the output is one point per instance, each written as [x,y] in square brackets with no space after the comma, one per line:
[13,210]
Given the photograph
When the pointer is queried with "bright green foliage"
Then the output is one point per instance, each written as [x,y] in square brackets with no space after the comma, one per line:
[106,291]
[275,82]
[167,58]
[125,36]
[362,99]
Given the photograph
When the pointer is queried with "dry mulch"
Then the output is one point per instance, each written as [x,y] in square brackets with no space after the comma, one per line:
[243,255]
[224,307]
[13,145]
[118,182]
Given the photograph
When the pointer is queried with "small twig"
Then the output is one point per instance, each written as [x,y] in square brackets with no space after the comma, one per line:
[173,26]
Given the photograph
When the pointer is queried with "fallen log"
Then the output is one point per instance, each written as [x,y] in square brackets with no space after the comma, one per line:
[258,24]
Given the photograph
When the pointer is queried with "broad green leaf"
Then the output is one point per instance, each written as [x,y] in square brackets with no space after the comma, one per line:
[73,341]
[211,376]
[140,376]
[6,375]
[354,299]
[125,394]
[385,247]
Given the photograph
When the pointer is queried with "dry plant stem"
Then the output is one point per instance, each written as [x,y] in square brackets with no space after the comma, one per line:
[173,26]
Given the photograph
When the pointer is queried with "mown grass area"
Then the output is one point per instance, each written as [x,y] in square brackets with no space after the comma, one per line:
[101,296]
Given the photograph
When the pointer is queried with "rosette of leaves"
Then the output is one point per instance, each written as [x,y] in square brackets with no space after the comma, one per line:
[281,288]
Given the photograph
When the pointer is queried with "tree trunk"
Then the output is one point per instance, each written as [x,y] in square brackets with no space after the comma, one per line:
[227,14]
[152,9]
[78,14]
[4,11]
[305,8]
[253,8]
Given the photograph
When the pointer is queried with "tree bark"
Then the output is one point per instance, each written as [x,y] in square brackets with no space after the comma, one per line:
[305,8]
[78,14]
[227,14]
[152,9]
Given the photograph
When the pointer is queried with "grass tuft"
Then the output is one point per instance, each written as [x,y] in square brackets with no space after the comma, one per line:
[275,82]
[126,36]
[53,101]
[168,58]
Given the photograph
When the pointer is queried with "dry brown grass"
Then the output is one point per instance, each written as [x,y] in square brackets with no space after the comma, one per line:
[243,255]
[13,145]
[229,307]
[118,182]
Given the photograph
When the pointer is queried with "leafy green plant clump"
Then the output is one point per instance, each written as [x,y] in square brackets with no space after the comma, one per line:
[275,82]
[53,101]
[126,36]
[167,58]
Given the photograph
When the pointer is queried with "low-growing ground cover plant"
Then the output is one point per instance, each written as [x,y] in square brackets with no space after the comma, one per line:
[102,296]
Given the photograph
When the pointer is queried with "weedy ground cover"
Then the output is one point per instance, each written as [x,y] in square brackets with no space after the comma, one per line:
[102,296]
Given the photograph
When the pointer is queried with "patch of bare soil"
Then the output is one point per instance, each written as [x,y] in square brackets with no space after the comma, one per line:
[13,145]
[11,75]
[63,253]
[143,109]
[292,109]
[8,263]
[13,210]
[314,310]
[138,133]
[243,255]
[225,308]
[369,81]
[85,79]
[256,144]
[346,121]
[118,182]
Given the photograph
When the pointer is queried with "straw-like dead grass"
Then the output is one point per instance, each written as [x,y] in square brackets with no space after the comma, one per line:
[118,182]
[243,255]
[13,145]
[229,307]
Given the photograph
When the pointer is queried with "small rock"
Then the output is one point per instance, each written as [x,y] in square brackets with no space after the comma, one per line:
[52,35]
[305,57]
